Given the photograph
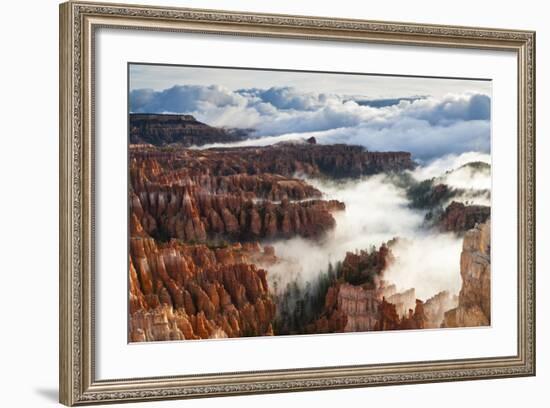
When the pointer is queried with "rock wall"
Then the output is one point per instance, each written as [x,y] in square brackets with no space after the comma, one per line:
[283,159]
[474,300]
[458,217]
[186,195]
[361,300]
[243,194]
[351,308]
[180,291]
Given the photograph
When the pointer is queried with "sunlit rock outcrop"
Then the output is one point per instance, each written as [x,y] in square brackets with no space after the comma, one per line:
[181,291]
[474,301]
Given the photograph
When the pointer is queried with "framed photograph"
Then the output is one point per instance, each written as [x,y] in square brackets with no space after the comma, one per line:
[256,203]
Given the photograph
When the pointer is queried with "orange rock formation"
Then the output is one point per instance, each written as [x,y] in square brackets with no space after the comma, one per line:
[182,291]
[474,301]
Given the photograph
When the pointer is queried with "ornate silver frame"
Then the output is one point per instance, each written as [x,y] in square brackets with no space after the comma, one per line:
[78,22]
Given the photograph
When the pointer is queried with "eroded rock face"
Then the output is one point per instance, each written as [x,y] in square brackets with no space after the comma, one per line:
[352,308]
[436,306]
[181,291]
[185,194]
[458,217]
[284,159]
[361,300]
[243,194]
[474,302]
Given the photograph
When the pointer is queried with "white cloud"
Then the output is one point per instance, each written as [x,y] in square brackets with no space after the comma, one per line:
[428,127]
[451,108]
[424,141]
[450,162]
[183,99]
[426,260]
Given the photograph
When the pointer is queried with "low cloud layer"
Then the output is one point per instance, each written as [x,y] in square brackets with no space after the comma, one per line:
[428,127]
[449,163]
[428,261]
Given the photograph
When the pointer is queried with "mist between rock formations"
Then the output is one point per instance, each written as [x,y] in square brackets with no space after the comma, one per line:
[377,210]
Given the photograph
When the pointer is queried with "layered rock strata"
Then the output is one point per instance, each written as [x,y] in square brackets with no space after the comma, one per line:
[335,161]
[189,197]
[180,291]
[474,300]
[351,308]
[165,129]
[459,217]
[360,300]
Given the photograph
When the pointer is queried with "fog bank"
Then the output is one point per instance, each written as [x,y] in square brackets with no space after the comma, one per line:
[376,212]
[439,166]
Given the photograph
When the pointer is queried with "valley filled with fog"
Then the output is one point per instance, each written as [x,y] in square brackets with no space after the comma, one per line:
[377,211]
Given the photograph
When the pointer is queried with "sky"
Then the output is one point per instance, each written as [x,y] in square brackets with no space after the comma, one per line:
[430,117]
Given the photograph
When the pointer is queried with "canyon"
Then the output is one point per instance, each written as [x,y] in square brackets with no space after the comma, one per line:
[204,222]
